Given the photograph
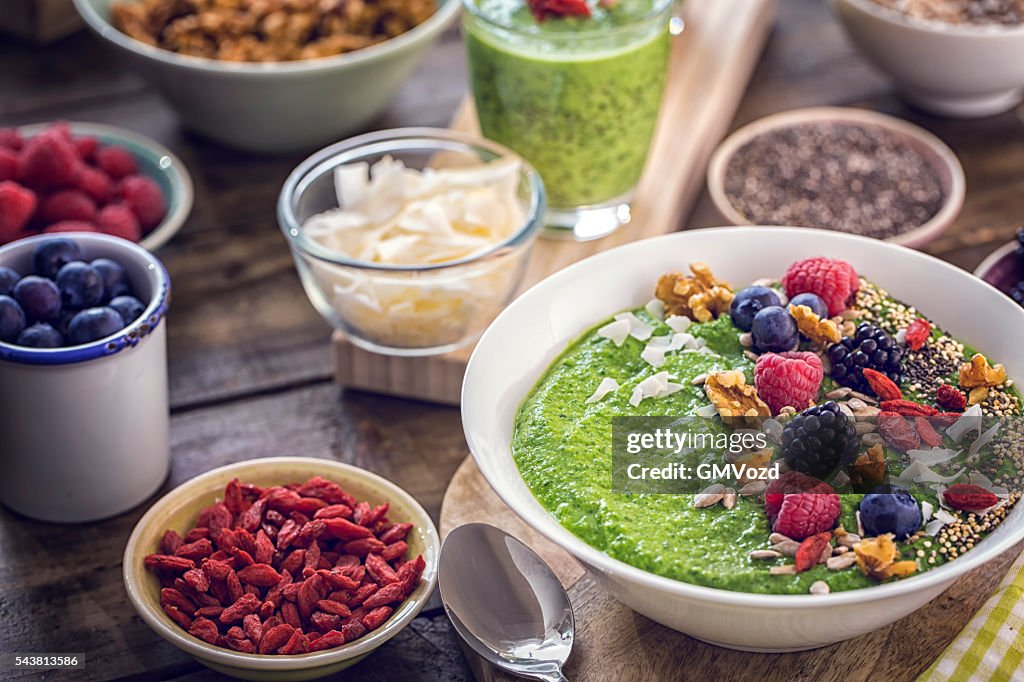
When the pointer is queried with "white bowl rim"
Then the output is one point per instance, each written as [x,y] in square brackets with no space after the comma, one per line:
[558,534]
[436,22]
[180,177]
[933,26]
[941,221]
[236,659]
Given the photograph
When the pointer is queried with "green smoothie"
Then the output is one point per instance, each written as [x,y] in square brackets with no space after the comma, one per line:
[577,97]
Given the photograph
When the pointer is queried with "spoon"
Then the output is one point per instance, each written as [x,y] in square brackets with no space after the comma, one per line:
[505,602]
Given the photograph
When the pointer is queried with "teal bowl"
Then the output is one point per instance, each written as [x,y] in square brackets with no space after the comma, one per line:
[155,161]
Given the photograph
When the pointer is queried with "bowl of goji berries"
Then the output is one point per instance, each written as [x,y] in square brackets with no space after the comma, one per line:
[282,568]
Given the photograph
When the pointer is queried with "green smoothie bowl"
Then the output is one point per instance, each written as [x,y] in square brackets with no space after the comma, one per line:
[199,529]
[882,417]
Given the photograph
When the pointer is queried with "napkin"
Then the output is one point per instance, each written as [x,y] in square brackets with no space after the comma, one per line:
[991,647]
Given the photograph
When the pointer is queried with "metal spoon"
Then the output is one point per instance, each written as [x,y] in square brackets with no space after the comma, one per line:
[505,602]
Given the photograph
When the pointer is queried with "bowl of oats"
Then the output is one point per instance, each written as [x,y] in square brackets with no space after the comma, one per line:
[272,76]
[956,58]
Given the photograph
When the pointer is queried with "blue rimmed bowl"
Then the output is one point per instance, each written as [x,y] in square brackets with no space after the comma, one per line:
[84,429]
[155,161]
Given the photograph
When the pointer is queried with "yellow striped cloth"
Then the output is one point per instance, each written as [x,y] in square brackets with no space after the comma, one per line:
[991,647]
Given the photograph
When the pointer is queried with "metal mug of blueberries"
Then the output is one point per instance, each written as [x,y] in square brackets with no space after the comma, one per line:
[83,376]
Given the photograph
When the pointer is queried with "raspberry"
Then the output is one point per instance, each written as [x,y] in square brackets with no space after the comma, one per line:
[10,138]
[96,184]
[834,281]
[118,220]
[791,379]
[800,506]
[144,198]
[49,160]
[70,226]
[69,204]
[116,162]
[8,164]
[86,147]
[17,204]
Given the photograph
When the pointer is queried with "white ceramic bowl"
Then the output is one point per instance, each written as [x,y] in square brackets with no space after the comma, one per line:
[179,508]
[277,106]
[951,70]
[529,335]
[932,149]
[84,430]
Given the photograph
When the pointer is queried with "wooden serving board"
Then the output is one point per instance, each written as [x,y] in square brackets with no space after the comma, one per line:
[709,68]
[615,643]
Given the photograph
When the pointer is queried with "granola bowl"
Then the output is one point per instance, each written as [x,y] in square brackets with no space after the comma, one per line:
[955,70]
[520,346]
[277,106]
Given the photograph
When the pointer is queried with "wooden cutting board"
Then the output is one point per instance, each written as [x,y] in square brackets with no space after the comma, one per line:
[709,68]
[614,643]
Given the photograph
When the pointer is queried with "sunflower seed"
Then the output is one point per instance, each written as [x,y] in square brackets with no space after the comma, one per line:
[787,548]
[845,409]
[764,554]
[864,428]
[866,413]
[776,538]
[860,526]
[856,404]
[866,398]
[839,393]
[753,488]
[840,549]
[852,314]
[699,380]
[849,540]
[709,496]
[747,340]
[773,429]
[819,587]
[729,498]
[871,439]
[785,569]
[838,563]
[750,356]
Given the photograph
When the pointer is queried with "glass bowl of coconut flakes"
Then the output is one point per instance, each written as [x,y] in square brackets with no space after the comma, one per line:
[411,241]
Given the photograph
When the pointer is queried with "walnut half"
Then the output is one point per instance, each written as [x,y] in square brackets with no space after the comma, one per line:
[701,296]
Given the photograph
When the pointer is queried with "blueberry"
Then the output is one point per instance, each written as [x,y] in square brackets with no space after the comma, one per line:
[895,511]
[774,330]
[41,335]
[748,302]
[115,278]
[12,319]
[812,301]
[8,278]
[53,254]
[39,298]
[80,284]
[92,324]
[128,307]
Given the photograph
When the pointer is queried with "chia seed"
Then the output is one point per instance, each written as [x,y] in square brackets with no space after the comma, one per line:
[861,179]
[1006,12]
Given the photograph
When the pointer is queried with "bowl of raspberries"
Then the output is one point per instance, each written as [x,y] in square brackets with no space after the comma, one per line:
[282,567]
[90,177]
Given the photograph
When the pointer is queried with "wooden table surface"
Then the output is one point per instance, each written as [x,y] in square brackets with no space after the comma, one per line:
[249,365]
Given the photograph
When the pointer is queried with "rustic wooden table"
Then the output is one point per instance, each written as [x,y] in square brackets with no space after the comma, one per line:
[249,362]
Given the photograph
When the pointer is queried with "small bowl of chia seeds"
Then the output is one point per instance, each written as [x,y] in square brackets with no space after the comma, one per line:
[842,169]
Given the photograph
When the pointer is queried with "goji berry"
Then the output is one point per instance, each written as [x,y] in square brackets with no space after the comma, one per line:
[343,529]
[261,575]
[333,511]
[204,629]
[808,554]
[334,608]
[908,408]
[166,562]
[950,398]
[929,436]
[253,627]
[298,643]
[897,431]
[324,622]
[394,551]
[385,595]
[918,333]
[397,532]
[379,570]
[376,617]
[364,546]
[275,638]
[246,604]
[884,387]
[328,640]
[170,542]
[353,630]
[177,615]
[969,497]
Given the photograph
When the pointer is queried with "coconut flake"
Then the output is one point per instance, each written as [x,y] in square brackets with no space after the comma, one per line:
[983,440]
[919,473]
[707,411]
[933,527]
[655,308]
[933,456]
[969,421]
[927,509]
[654,355]
[637,397]
[604,388]
[638,329]
[678,323]
[945,517]
[617,331]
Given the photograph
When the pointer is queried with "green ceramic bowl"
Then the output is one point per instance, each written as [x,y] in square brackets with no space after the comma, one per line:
[178,510]
[155,161]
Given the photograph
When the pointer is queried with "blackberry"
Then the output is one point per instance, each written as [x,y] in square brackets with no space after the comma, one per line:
[820,441]
[868,347]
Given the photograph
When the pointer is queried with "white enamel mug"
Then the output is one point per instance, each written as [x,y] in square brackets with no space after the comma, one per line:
[84,430]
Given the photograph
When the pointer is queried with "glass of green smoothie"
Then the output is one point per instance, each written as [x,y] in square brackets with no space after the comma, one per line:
[577,96]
